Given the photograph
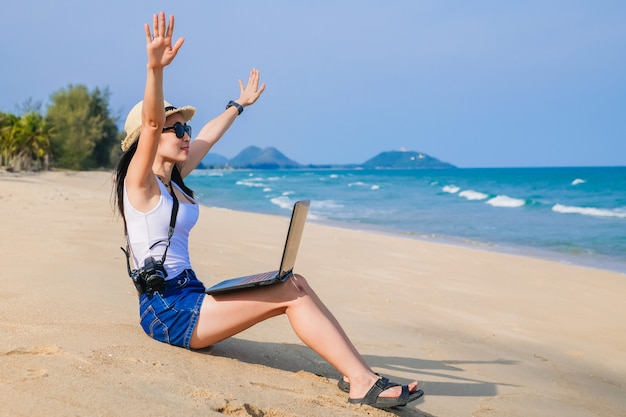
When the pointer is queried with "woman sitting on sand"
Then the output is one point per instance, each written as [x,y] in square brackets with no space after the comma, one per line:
[158,154]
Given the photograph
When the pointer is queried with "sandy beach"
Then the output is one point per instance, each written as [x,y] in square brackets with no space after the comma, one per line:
[486,334]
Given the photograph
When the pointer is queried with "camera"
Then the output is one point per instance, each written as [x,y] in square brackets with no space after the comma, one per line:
[151,277]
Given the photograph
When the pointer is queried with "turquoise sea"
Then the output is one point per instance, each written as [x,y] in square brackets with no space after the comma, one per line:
[571,215]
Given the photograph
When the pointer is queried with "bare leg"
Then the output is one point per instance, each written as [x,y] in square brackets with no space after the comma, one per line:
[222,316]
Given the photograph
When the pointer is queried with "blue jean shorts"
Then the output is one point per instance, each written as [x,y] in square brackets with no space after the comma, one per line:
[171,316]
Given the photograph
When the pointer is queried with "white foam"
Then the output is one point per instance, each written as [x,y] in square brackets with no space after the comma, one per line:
[506,201]
[590,211]
[315,216]
[287,203]
[252,182]
[325,204]
[578,181]
[452,189]
[473,195]
[362,184]
[283,202]
[206,173]
[267,189]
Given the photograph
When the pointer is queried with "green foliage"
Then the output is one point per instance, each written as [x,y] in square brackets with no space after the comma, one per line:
[78,131]
[24,141]
[34,140]
[7,141]
[84,131]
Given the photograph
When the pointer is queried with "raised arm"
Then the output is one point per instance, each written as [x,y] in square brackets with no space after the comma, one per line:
[215,129]
[140,182]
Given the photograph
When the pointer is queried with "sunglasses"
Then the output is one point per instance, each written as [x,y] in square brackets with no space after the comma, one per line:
[180,129]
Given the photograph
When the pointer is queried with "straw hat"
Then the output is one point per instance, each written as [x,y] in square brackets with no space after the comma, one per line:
[133,121]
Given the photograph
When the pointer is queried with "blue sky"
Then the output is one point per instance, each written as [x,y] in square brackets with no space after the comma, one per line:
[476,84]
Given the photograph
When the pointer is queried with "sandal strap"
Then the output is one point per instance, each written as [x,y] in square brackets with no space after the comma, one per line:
[372,396]
[378,387]
[403,399]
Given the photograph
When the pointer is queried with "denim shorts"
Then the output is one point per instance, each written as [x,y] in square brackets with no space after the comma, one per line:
[171,316]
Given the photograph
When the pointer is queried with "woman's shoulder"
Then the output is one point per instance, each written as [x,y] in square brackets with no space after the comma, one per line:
[141,197]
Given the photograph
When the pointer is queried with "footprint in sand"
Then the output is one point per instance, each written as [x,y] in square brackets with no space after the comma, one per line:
[36,373]
[49,350]
[239,410]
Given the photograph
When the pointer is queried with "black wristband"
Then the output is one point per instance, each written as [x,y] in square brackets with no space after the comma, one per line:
[235,104]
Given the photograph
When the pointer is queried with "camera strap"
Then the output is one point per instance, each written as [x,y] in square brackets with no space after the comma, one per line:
[170,233]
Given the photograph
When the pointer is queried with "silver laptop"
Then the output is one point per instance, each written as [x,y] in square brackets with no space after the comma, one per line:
[292,243]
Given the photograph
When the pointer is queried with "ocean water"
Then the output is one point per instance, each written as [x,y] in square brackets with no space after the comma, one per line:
[571,215]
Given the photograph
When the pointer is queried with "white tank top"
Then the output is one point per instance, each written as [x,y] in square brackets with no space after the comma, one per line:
[146,229]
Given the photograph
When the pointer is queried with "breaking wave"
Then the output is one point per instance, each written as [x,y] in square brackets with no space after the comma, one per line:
[473,195]
[452,189]
[505,201]
[590,211]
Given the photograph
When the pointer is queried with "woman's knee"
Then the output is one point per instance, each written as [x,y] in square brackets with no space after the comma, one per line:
[301,284]
[294,289]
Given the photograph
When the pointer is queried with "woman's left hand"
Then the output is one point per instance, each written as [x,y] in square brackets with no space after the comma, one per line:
[251,92]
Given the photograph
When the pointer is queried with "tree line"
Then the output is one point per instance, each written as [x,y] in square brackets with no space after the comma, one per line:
[77,132]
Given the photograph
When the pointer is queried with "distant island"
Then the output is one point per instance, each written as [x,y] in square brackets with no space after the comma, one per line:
[254,157]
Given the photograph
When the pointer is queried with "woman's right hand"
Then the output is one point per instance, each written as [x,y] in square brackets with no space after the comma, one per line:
[159,43]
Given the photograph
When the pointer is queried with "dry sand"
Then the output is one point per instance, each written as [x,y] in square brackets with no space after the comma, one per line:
[486,334]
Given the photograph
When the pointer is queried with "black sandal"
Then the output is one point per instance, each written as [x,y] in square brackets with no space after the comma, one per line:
[373,398]
[344,385]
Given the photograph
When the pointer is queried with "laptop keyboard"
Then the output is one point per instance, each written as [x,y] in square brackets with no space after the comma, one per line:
[260,277]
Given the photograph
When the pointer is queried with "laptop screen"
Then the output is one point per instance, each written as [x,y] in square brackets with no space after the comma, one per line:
[294,235]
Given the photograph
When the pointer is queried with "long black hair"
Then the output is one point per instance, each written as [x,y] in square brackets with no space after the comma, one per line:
[122,170]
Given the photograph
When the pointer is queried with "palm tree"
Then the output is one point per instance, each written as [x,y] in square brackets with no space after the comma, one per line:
[32,134]
[24,141]
[7,145]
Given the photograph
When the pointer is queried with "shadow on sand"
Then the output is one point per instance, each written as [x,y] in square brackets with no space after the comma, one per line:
[436,377]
